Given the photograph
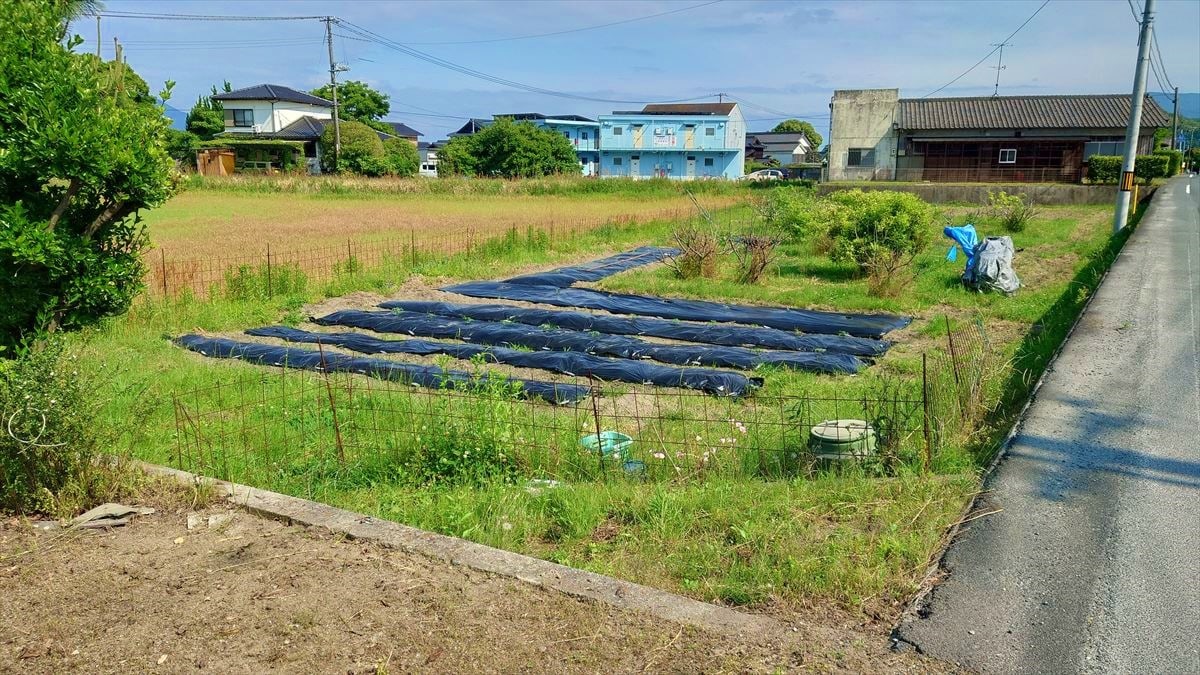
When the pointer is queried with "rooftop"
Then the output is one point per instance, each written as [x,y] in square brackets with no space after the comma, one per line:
[1089,111]
[402,129]
[688,108]
[271,92]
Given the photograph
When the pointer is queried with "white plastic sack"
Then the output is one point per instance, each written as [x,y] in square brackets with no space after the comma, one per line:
[993,268]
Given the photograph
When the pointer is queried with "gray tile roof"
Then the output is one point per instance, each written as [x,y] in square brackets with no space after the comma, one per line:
[272,92]
[1092,111]
[304,129]
[402,129]
[688,108]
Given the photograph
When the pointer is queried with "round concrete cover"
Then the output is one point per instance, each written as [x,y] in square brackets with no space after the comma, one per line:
[841,431]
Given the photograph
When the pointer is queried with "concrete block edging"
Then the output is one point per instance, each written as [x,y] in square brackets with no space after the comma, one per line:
[617,593]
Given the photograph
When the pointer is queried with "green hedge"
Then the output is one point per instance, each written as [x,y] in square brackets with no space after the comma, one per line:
[1107,168]
[1174,160]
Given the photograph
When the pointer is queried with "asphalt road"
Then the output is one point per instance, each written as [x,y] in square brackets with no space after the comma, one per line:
[1094,563]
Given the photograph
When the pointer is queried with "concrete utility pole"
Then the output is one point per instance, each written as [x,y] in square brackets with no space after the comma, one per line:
[999,66]
[1135,119]
[337,129]
[97,36]
[1175,123]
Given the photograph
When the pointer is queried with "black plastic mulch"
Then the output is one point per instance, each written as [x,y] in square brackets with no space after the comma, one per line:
[597,269]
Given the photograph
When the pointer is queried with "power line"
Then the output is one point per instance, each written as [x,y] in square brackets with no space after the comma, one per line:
[470,72]
[782,114]
[989,54]
[1161,64]
[164,16]
[569,30]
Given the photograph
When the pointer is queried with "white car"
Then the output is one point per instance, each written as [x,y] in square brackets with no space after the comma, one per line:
[764,174]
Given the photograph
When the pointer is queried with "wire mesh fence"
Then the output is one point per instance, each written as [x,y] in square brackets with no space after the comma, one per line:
[304,432]
[276,271]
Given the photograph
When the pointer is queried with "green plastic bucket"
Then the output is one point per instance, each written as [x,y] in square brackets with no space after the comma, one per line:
[837,441]
[610,444]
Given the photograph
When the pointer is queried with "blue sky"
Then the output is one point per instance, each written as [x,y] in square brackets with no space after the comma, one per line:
[775,57]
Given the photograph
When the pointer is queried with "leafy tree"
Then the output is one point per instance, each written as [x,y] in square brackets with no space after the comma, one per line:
[800,127]
[401,157]
[358,101]
[362,151]
[80,156]
[182,146]
[510,150]
[206,119]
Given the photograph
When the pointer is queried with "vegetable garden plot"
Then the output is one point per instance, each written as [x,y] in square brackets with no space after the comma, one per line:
[731,335]
[578,364]
[783,318]
[418,375]
[597,269]
[506,334]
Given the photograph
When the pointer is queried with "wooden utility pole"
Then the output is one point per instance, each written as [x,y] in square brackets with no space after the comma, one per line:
[337,129]
[1132,132]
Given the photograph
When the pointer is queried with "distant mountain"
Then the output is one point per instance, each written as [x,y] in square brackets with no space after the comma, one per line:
[179,118]
[1189,104]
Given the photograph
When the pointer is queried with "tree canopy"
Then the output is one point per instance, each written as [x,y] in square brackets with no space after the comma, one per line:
[800,127]
[358,101]
[361,150]
[510,150]
[81,153]
[207,117]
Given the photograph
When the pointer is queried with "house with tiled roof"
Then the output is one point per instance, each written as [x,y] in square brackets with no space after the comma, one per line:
[876,135]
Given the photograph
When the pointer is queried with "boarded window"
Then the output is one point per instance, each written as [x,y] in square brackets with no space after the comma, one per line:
[1008,155]
[860,157]
[708,161]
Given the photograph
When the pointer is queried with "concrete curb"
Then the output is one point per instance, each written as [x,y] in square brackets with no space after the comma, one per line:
[578,583]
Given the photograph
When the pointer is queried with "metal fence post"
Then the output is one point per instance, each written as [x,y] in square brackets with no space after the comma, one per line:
[349,258]
[412,246]
[164,270]
[928,459]
[270,292]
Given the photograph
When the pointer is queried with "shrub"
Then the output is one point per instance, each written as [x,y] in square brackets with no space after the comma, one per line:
[1015,212]
[881,232]
[49,440]
[401,157]
[800,213]
[1106,169]
[754,254]
[699,248]
[509,149]
[361,152]
[1174,160]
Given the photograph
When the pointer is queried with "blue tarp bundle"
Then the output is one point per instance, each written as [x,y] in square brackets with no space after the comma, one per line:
[964,236]
[508,334]
[808,321]
[719,382]
[420,375]
[731,335]
[597,269]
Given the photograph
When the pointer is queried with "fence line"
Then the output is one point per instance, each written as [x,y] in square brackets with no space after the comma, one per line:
[301,431]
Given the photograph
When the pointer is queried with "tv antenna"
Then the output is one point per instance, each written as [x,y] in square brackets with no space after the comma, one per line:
[999,65]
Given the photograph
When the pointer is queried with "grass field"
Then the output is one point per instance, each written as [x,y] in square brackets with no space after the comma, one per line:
[853,542]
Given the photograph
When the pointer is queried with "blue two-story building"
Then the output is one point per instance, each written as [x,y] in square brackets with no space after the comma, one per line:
[683,141]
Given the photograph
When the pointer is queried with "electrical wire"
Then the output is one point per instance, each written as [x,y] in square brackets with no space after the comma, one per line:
[989,54]
[780,113]
[164,16]
[470,72]
[1163,66]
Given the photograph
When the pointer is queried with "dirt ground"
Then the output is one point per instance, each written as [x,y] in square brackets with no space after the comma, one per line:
[241,594]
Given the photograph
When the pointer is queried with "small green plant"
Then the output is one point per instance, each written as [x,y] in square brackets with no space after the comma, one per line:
[48,436]
[1014,212]
[881,232]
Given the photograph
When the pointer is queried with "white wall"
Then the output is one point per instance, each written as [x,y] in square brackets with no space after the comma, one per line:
[272,116]
[735,137]
[863,118]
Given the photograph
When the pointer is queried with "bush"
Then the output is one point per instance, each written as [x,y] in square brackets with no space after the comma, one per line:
[1015,212]
[361,153]
[881,232]
[1174,160]
[699,256]
[508,149]
[401,157]
[800,213]
[49,441]
[754,254]
[1106,169]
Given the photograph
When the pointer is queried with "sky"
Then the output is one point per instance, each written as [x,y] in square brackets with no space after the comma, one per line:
[778,59]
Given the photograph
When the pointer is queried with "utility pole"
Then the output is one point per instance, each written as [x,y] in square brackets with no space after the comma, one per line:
[1175,122]
[97,36]
[337,129]
[999,66]
[721,97]
[1135,119]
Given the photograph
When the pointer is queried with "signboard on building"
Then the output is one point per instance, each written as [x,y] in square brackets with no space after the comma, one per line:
[664,141]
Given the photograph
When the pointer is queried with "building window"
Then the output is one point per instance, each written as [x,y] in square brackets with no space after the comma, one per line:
[708,161]
[860,157]
[1008,155]
[243,117]
[710,131]
[617,131]
[1103,148]
[566,134]
[616,161]
[584,135]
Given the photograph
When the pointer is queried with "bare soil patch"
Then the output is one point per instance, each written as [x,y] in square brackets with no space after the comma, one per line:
[244,594]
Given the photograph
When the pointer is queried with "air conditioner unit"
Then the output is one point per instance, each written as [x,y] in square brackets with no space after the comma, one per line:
[257,128]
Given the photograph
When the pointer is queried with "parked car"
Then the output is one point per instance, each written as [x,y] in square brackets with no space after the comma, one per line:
[765,174]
